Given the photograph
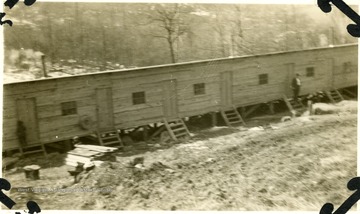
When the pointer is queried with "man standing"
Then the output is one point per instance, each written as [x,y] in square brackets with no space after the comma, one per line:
[21,132]
[296,84]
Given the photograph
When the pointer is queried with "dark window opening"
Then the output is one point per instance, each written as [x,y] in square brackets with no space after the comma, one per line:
[138,98]
[263,79]
[68,108]
[199,88]
[310,71]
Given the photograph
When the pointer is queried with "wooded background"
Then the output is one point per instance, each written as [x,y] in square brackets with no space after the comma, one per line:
[121,35]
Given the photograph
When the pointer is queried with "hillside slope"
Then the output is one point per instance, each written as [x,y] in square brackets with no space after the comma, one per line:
[294,165]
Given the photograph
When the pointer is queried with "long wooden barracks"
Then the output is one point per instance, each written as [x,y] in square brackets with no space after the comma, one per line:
[57,109]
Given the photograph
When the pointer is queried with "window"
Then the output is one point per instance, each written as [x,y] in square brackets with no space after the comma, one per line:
[263,79]
[347,67]
[138,98]
[199,88]
[68,108]
[310,71]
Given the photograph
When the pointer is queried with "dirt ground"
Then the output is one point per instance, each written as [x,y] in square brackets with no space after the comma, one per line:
[294,165]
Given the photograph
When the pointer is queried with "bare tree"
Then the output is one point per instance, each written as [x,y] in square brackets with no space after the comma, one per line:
[80,33]
[237,33]
[219,28]
[243,43]
[170,20]
[49,34]
[230,29]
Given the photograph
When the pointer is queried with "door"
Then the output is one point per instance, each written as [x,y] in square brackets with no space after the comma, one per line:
[26,112]
[104,109]
[170,99]
[226,89]
[324,70]
[290,74]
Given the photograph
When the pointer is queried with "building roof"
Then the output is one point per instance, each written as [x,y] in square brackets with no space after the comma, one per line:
[180,63]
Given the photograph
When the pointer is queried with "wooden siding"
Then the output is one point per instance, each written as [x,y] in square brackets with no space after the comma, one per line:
[242,74]
[342,78]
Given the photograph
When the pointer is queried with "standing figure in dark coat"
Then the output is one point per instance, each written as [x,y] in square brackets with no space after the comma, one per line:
[296,85]
[21,133]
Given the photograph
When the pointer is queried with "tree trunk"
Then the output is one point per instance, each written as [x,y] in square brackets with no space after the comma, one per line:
[79,24]
[172,53]
[222,41]
[104,55]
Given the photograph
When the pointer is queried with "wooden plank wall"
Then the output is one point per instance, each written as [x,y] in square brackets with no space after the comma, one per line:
[43,92]
[125,113]
[199,104]
[341,77]
[246,90]
[53,125]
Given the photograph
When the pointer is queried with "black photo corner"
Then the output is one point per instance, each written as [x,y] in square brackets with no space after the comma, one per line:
[32,206]
[353,185]
[11,4]
[353,29]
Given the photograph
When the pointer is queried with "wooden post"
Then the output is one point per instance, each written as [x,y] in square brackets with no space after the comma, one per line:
[310,107]
[32,172]
[67,145]
[145,133]
[271,108]
[243,111]
[213,119]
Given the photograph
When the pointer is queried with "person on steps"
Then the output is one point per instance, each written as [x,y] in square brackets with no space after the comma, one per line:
[296,85]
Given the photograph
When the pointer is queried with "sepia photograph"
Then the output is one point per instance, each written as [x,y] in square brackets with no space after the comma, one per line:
[178,106]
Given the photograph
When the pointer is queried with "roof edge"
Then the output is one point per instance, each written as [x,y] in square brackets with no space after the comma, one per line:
[183,63]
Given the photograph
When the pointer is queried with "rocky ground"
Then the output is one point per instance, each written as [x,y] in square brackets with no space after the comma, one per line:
[294,165]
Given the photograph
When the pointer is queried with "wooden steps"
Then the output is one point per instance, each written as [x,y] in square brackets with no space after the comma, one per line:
[334,96]
[232,117]
[292,105]
[30,149]
[110,138]
[176,128]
